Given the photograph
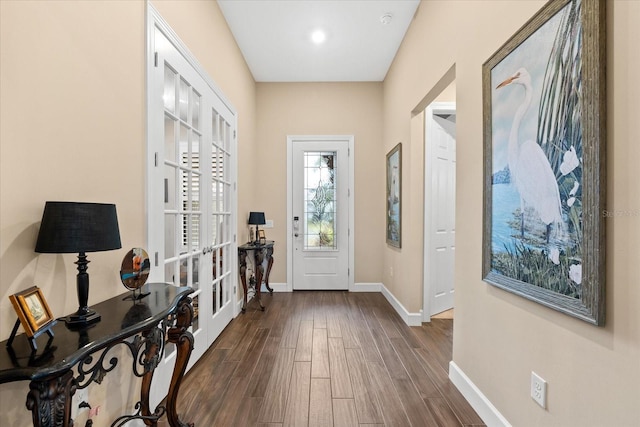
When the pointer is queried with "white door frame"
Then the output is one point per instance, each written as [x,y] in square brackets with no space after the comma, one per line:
[316,138]
[428,290]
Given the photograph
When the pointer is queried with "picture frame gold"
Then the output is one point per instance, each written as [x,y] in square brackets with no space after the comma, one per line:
[33,311]
[262,237]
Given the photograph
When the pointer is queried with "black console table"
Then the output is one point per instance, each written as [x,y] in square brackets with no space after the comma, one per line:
[143,326]
[260,252]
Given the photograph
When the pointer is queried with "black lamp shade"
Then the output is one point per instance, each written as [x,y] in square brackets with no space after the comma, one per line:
[257,218]
[72,227]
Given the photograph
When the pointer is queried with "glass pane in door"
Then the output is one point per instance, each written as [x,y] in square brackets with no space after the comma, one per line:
[319,200]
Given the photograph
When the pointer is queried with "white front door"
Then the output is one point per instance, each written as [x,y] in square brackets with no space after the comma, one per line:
[440,203]
[320,181]
[191,200]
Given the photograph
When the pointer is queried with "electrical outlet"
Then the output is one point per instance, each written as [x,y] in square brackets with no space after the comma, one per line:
[538,389]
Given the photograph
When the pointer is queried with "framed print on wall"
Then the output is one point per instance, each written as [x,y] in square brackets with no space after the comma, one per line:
[394,196]
[544,160]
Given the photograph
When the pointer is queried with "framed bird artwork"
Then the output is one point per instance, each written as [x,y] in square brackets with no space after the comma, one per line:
[544,158]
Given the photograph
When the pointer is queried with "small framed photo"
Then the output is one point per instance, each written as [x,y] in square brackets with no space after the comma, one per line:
[261,237]
[32,309]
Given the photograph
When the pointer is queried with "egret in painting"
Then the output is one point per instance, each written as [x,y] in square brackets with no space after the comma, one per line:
[529,167]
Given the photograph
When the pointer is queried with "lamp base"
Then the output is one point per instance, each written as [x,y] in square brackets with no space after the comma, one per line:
[79,319]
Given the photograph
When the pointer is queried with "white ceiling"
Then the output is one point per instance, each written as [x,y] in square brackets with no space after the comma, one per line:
[275,37]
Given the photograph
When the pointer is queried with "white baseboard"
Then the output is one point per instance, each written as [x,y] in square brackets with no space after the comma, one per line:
[277,287]
[478,401]
[366,287]
[411,319]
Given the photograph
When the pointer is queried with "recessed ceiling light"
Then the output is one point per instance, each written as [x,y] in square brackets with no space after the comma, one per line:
[318,36]
[386,18]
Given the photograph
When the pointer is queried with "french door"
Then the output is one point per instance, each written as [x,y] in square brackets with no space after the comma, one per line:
[191,195]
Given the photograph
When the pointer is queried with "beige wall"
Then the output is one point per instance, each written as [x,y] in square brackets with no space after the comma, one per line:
[72,103]
[72,127]
[323,109]
[593,373]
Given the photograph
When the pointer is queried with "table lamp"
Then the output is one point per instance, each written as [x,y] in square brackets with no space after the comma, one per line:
[72,227]
[257,218]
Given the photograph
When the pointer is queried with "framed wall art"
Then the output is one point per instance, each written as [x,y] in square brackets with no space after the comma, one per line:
[394,196]
[544,160]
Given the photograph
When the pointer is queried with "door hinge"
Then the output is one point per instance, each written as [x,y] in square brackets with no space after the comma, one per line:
[234,186]
[156,256]
[348,232]
[348,192]
[234,238]
[155,159]
[155,59]
[348,151]
[348,272]
[234,134]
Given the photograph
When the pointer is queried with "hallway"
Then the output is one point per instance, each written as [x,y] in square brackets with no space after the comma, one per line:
[326,359]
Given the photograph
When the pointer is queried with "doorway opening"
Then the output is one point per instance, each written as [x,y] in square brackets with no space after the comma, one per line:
[435,120]
[439,209]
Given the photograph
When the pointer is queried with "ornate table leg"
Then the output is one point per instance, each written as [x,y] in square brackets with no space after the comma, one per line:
[242,264]
[49,401]
[151,359]
[269,265]
[259,257]
[183,339]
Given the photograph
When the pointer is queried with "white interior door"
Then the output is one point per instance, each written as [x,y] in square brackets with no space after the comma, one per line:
[320,213]
[191,200]
[440,203]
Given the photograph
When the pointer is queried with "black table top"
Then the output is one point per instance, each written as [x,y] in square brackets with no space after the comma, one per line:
[249,246]
[120,319]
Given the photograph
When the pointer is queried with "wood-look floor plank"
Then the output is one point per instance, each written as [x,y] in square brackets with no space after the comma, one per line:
[392,409]
[389,356]
[247,416]
[253,354]
[415,407]
[340,379]
[344,413]
[297,412]
[261,375]
[367,405]
[320,355]
[305,341]
[451,394]
[231,402]
[334,326]
[442,412]
[415,369]
[275,399]
[320,404]
[290,333]
[320,311]
[349,336]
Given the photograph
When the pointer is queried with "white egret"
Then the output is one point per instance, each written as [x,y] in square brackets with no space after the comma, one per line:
[529,167]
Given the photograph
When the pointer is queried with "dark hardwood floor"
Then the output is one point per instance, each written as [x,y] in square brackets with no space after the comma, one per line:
[325,359]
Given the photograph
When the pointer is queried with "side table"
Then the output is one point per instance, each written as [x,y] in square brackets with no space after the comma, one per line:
[260,252]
